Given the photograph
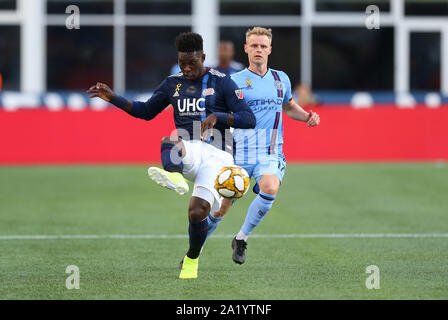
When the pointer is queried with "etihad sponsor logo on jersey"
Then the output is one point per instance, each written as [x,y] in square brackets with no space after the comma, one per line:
[258,102]
[190,106]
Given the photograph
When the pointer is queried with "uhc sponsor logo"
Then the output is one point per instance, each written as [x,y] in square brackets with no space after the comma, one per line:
[190,105]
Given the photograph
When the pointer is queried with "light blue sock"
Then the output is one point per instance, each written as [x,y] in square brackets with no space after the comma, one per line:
[257,210]
[212,223]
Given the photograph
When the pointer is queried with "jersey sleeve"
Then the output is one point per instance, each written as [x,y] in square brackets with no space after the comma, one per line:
[153,106]
[235,78]
[233,97]
[288,95]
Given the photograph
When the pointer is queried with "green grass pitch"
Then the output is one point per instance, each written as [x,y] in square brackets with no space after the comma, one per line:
[313,199]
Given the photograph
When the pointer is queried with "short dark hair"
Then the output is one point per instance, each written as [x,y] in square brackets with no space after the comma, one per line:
[189,42]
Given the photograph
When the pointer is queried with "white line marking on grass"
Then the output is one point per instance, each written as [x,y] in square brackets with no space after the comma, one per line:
[266,236]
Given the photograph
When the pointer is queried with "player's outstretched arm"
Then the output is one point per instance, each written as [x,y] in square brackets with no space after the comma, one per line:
[142,110]
[296,112]
[103,91]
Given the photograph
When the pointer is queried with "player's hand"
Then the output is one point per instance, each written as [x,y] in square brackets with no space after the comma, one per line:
[102,91]
[313,119]
[207,126]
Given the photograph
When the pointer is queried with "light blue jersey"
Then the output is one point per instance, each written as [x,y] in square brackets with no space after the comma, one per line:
[260,150]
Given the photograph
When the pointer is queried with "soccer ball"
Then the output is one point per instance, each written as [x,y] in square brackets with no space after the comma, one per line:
[232,182]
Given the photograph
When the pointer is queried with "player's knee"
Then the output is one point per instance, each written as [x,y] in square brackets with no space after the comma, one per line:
[198,211]
[269,184]
[269,189]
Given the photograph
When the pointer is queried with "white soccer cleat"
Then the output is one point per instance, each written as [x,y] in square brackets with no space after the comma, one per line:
[171,180]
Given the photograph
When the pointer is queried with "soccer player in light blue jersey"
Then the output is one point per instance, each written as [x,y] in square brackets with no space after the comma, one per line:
[259,151]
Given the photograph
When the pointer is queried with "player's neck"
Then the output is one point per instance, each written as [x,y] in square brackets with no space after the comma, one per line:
[259,69]
[203,72]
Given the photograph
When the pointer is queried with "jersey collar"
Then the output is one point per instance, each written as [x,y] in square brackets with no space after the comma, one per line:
[267,71]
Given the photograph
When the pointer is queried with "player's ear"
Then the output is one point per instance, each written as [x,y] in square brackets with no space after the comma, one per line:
[203,57]
[245,47]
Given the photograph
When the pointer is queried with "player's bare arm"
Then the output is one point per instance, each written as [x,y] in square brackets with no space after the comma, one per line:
[103,91]
[296,112]
[225,206]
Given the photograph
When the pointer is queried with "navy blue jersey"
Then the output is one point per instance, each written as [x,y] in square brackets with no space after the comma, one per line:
[194,100]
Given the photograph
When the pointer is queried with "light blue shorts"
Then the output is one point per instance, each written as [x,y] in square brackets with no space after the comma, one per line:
[274,164]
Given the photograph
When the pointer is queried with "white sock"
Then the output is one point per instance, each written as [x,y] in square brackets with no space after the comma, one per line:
[241,236]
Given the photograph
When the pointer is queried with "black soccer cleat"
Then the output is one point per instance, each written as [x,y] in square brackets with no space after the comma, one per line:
[239,250]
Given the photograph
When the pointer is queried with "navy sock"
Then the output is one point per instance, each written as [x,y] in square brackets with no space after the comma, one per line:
[198,234]
[171,158]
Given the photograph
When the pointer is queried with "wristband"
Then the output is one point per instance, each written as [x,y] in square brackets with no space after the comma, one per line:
[119,101]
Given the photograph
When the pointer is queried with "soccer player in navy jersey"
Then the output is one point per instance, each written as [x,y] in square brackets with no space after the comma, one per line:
[206,104]
[260,150]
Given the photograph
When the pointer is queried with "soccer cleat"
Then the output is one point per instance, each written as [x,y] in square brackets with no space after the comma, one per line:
[171,180]
[189,268]
[239,250]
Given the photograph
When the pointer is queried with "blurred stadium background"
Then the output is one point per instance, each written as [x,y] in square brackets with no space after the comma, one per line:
[382,95]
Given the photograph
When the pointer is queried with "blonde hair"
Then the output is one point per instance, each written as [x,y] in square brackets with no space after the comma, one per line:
[259,31]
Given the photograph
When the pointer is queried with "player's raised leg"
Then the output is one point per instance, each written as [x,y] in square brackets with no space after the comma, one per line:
[197,231]
[269,184]
[172,151]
